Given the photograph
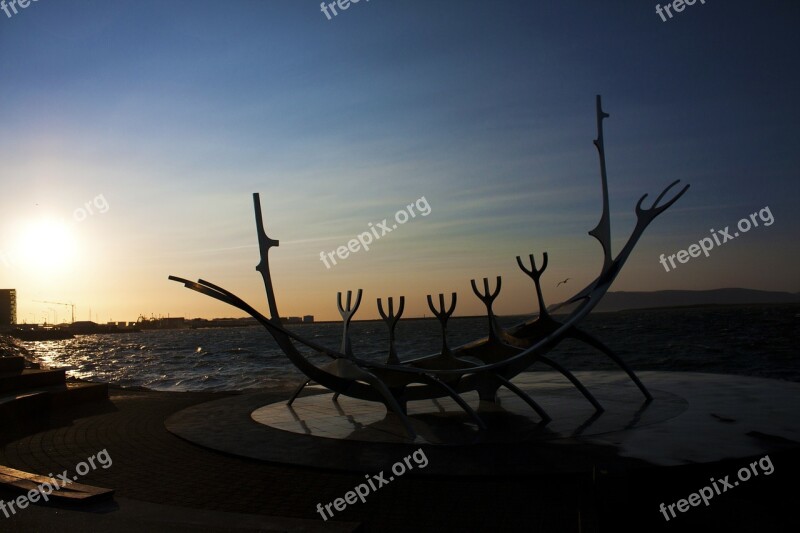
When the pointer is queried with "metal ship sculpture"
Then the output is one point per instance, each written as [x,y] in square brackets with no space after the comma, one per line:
[482,366]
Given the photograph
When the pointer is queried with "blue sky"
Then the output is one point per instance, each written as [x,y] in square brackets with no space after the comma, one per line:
[175,112]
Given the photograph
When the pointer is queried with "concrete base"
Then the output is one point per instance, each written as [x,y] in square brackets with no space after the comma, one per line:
[695,418]
[130,516]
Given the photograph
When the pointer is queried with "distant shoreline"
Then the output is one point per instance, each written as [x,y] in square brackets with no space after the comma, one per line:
[697,306]
[533,314]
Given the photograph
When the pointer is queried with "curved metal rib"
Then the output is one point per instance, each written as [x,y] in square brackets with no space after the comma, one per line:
[457,398]
[597,344]
[297,392]
[525,398]
[575,381]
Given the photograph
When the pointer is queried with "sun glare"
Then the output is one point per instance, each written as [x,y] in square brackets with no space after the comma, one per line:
[46,244]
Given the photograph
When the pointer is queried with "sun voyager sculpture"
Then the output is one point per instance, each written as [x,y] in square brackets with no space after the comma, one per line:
[482,366]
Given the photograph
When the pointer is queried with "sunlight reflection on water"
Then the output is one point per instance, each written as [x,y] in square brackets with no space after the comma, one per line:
[759,341]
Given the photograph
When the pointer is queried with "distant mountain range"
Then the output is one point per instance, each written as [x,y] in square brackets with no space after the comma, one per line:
[621,300]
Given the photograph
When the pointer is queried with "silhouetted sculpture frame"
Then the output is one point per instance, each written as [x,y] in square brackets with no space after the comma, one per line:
[484,365]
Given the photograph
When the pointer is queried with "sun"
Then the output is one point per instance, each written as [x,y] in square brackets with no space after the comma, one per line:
[45,244]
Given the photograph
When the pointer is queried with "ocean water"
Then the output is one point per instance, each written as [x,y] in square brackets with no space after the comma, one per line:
[751,340]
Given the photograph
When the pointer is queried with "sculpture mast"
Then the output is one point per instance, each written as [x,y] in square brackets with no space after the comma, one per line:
[264,244]
[602,232]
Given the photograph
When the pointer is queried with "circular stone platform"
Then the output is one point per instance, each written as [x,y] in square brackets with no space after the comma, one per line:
[511,420]
[694,418]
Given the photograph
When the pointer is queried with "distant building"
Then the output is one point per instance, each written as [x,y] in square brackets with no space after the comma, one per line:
[84,327]
[8,307]
[175,322]
[307,319]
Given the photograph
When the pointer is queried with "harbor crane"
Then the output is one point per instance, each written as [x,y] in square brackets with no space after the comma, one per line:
[60,303]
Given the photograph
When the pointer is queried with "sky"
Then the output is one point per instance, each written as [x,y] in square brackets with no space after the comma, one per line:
[133,134]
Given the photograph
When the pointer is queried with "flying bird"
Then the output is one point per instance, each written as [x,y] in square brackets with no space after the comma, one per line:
[566,280]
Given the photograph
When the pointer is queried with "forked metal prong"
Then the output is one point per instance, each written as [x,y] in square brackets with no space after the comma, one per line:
[536,275]
[347,315]
[487,297]
[652,212]
[443,315]
[391,320]
[533,272]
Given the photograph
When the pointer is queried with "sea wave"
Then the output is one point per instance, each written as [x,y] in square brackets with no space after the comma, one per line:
[752,340]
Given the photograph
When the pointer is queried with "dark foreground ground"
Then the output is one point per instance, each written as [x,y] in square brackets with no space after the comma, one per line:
[152,465]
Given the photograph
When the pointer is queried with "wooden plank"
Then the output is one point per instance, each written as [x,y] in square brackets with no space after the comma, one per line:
[76,492]
[10,398]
